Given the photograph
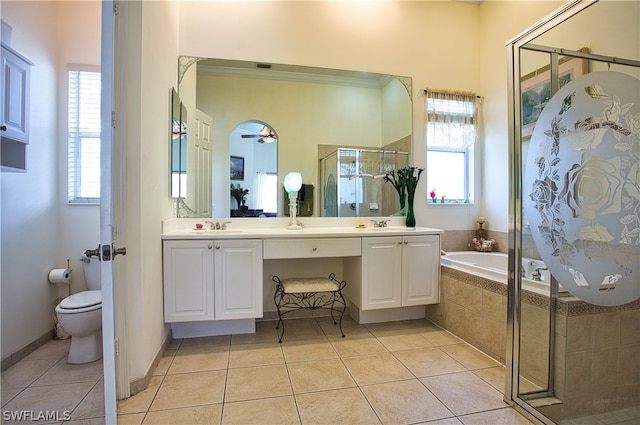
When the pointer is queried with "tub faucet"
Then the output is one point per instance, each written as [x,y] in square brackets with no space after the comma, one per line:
[537,275]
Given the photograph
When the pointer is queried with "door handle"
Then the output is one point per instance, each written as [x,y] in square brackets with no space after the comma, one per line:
[93,252]
[118,251]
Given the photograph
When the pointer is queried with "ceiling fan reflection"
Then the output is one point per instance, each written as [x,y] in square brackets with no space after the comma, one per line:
[265,135]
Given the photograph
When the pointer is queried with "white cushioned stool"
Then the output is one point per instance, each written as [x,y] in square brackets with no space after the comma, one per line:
[309,293]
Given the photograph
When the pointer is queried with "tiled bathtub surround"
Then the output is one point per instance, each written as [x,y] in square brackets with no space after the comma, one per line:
[597,357]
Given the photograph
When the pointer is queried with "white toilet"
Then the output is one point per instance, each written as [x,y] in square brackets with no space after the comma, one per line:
[80,315]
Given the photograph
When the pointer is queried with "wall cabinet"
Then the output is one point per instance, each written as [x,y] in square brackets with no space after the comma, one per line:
[397,271]
[212,280]
[14,108]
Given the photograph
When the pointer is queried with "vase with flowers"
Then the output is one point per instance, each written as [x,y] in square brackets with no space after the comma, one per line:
[405,180]
[239,194]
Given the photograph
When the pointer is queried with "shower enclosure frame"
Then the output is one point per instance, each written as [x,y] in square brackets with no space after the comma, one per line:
[514,296]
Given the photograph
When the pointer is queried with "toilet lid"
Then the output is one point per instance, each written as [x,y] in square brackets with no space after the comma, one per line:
[82,300]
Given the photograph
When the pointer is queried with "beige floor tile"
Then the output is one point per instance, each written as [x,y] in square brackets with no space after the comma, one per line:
[376,368]
[493,375]
[265,332]
[53,349]
[190,389]
[165,362]
[205,341]
[428,362]
[204,415]
[469,356]
[347,406]
[65,373]
[447,421]
[441,337]
[60,398]
[261,354]
[307,350]
[86,421]
[390,328]
[200,359]
[24,373]
[301,329]
[174,344]
[265,411]
[257,382]
[357,346]
[464,393]
[421,325]
[131,419]
[92,406]
[504,416]
[349,326]
[9,393]
[141,401]
[404,341]
[404,402]
[319,375]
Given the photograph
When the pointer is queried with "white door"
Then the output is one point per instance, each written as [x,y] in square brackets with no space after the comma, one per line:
[110,210]
[203,156]
[238,279]
[420,270]
[381,272]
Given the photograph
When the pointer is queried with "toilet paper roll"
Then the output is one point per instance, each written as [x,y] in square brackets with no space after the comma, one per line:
[59,275]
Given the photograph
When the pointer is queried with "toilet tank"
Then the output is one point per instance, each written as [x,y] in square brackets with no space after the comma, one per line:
[91,268]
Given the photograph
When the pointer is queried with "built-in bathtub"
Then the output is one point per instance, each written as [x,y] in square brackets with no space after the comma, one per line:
[494,266]
[473,306]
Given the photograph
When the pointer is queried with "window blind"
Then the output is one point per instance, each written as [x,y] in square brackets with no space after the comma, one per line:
[84,137]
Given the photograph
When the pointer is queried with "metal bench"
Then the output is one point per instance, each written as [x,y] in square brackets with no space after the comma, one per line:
[309,293]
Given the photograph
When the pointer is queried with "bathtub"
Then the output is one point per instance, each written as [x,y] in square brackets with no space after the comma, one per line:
[494,266]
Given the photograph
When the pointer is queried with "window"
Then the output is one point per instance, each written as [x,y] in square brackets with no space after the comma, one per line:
[84,137]
[450,135]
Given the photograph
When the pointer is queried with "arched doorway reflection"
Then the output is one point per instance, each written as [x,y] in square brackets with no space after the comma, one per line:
[253,171]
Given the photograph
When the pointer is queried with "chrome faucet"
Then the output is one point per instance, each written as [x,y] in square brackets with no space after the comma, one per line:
[381,223]
[224,225]
[537,275]
[213,226]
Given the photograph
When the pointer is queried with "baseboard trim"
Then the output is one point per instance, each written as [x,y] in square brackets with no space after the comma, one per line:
[142,383]
[26,350]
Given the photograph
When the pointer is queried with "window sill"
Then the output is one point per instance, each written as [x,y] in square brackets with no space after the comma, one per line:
[450,204]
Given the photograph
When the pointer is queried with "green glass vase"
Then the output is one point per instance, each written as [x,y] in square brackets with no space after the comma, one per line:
[410,221]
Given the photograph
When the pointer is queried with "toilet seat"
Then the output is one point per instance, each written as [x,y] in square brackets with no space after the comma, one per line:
[81,302]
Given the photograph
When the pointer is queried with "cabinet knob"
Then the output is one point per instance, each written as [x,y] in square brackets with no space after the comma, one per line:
[314,249]
[209,246]
[217,246]
[406,242]
[399,242]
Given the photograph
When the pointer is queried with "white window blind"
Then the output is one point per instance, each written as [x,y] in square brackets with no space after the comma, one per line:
[84,137]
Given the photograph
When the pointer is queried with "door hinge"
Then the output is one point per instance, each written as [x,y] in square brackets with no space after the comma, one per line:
[115,7]
[114,233]
[113,119]
[116,346]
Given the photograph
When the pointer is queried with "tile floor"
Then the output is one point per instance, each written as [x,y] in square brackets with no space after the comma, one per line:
[390,373]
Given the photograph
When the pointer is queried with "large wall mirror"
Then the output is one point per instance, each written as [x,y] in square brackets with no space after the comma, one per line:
[314,112]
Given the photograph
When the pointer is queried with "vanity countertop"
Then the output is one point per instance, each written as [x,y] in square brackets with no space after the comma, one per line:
[276,228]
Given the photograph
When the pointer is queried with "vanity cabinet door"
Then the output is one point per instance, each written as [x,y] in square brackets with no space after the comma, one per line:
[381,272]
[238,279]
[188,280]
[16,72]
[420,270]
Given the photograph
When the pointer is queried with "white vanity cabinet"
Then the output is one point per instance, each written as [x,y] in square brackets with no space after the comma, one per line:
[188,280]
[212,279]
[396,271]
[238,279]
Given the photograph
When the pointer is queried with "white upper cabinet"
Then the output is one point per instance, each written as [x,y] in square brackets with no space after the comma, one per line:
[16,74]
